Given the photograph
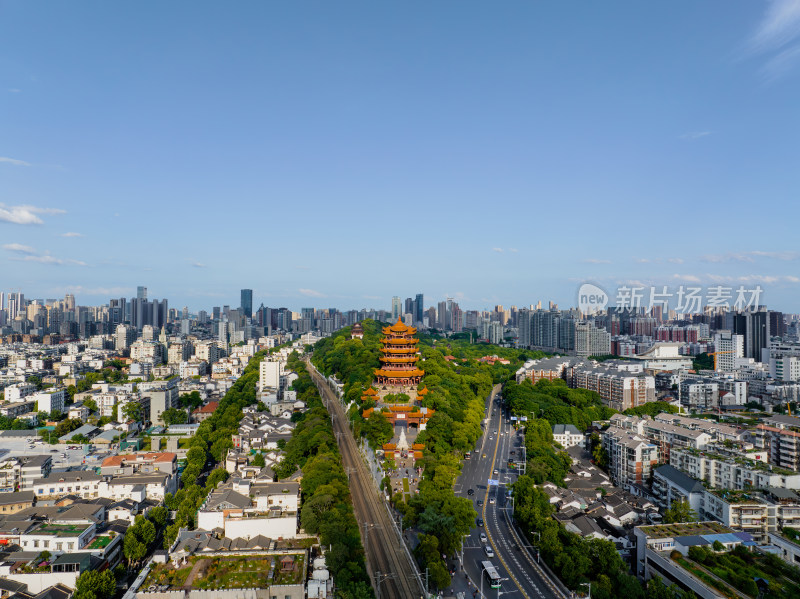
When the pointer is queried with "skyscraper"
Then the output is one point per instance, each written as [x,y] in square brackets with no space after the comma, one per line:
[141,293]
[397,308]
[247,302]
[418,305]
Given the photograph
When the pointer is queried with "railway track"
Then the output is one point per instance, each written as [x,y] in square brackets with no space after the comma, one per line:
[392,574]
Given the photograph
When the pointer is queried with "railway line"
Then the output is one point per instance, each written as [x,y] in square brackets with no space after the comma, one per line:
[388,563]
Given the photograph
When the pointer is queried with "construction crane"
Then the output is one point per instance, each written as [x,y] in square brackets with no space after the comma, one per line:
[716,353]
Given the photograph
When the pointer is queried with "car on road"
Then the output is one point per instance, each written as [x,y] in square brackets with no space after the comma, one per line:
[470,491]
[495,472]
[479,521]
[483,538]
[484,455]
[491,499]
[480,502]
[513,452]
[488,551]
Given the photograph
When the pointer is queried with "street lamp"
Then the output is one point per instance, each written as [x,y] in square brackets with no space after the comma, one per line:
[462,550]
[538,542]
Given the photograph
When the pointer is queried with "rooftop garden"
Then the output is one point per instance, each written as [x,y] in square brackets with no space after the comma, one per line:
[100,542]
[682,529]
[753,574]
[236,572]
[61,530]
[732,496]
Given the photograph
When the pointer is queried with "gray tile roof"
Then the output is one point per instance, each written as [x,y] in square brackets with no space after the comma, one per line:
[684,481]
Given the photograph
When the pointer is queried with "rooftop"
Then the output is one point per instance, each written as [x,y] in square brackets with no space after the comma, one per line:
[683,529]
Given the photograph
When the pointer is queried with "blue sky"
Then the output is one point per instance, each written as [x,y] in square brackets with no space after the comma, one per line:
[339,153]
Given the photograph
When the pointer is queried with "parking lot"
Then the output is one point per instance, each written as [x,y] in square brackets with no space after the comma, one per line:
[62,456]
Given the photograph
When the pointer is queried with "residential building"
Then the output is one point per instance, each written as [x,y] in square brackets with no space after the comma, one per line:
[631,457]
[729,348]
[780,435]
[163,396]
[590,340]
[567,435]
[618,387]
[670,485]
[50,400]
[732,471]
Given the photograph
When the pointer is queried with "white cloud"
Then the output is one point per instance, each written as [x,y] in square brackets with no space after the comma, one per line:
[14,161]
[750,256]
[25,215]
[776,255]
[596,261]
[48,259]
[499,250]
[695,134]
[199,265]
[779,26]
[81,290]
[29,254]
[717,258]
[687,278]
[14,90]
[19,248]
[675,260]
[777,34]
[72,234]
[311,293]
[513,250]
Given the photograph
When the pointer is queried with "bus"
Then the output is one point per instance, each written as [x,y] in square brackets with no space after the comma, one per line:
[490,572]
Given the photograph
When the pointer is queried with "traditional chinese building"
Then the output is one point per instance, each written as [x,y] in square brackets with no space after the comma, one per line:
[399,357]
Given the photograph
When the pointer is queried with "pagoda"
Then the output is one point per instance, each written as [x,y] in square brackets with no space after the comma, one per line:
[399,357]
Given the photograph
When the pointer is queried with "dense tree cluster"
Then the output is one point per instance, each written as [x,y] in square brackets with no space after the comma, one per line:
[210,444]
[740,568]
[457,394]
[327,509]
[651,409]
[574,560]
[555,402]
[93,584]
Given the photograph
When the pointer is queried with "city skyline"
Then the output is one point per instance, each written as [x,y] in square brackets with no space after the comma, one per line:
[521,150]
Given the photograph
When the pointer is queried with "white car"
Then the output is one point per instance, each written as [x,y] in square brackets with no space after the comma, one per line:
[488,551]
[483,538]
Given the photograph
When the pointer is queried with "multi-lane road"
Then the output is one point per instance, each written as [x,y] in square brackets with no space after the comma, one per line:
[514,560]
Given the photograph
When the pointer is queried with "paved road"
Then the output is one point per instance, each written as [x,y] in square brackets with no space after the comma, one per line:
[515,562]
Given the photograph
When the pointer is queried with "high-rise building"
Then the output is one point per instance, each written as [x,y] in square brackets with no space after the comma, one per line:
[141,293]
[418,304]
[124,336]
[754,326]
[397,308]
[777,323]
[441,316]
[247,302]
[728,347]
